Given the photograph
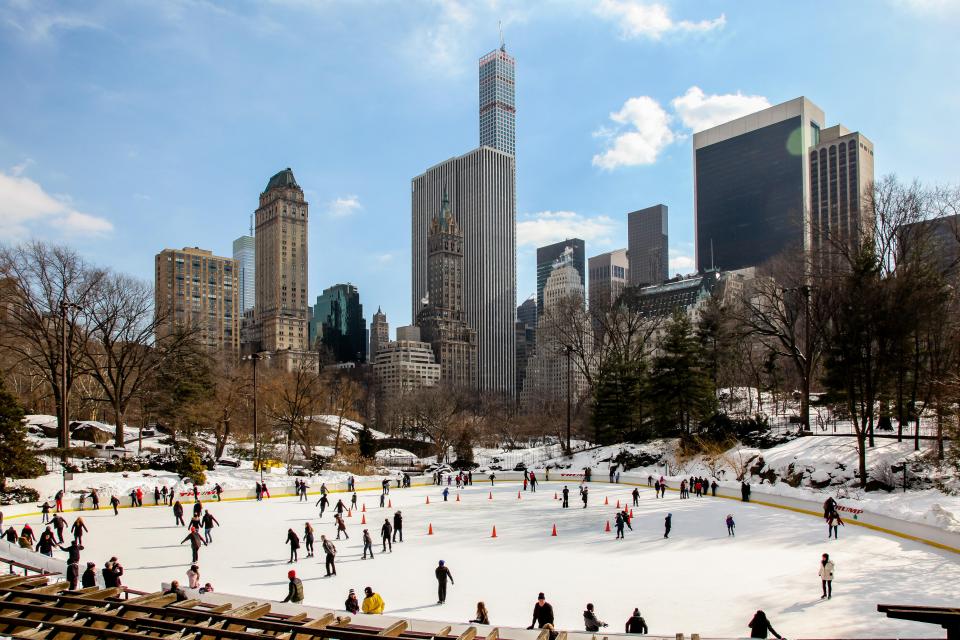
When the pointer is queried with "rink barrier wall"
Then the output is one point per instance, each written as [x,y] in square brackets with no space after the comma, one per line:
[850,512]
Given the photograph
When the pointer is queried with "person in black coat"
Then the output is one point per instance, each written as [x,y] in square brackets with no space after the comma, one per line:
[352,604]
[89,577]
[385,536]
[667,525]
[73,575]
[759,626]
[59,524]
[566,498]
[112,571]
[542,613]
[745,493]
[397,526]
[195,542]
[178,513]
[590,620]
[443,573]
[46,543]
[294,541]
[73,551]
[636,623]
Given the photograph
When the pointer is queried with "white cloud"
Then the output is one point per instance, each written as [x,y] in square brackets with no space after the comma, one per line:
[641,131]
[25,209]
[344,206]
[38,27]
[930,7]
[439,41]
[546,227]
[638,19]
[384,258]
[681,261]
[698,111]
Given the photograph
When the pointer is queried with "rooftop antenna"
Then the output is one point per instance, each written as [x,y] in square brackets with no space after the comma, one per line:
[503,46]
[712,265]
[251,225]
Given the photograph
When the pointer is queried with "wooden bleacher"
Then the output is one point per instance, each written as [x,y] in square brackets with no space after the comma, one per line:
[37,608]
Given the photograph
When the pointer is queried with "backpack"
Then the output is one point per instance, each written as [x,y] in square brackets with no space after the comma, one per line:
[298,590]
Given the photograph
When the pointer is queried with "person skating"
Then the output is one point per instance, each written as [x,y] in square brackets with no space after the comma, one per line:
[635,623]
[96,499]
[626,518]
[667,525]
[542,613]
[322,502]
[259,492]
[208,523]
[636,496]
[383,499]
[77,529]
[197,508]
[533,482]
[330,552]
[294,541]
[10,535]
[745,495]
[385,535]
[176,590]
[443,574]
[351,604]
[294,588]
[656,489]
[353,501]
[833,520]
[760,625]
[372,603]
[566,497]
[73,551]
[193,576]
[618,525]
[367,544]
[397,526]
[526,480]
[713,488]
[58,499]
[731,525]
[340,507]
[156,496]
[163,494]
[493,477]
[59,524]
[115,503]
[341,527]
[217,490]
[27,532]
[45,512]
[178,513]
[482,616]
[195,523]
[133,498]
[583,496]
[590,620]
[112,571]
[829,506]
[683,490]
[308,538]
[46,543]
[826,576]
[89,577]
[195,542]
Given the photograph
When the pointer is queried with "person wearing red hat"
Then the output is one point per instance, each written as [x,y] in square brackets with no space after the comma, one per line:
[295,590]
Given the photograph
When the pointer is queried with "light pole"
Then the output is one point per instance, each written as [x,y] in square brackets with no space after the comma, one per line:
[64,394]
[568,349]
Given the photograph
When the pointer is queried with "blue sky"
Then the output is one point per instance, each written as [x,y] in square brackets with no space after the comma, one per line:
[128,127]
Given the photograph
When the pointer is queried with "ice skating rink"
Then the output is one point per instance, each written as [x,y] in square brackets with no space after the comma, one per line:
[698,581]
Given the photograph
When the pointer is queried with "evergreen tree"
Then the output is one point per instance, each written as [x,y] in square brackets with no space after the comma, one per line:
[17,459]
[619,403]
[190,465]
[680,389]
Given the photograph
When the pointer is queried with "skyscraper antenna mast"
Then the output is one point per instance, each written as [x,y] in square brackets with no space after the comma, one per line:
[251,225]
[503,45]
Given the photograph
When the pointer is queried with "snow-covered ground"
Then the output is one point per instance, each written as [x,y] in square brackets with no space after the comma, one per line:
[699,580]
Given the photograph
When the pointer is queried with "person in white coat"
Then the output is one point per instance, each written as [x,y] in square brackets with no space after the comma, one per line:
[826,576]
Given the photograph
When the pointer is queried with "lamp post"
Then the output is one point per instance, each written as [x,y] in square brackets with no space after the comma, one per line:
[64,394]
[568,349]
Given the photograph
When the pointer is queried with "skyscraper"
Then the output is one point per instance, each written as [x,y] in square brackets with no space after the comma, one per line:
[526,337]
[480,186]
[244,252]
[196,289]
[498,111]
[841,176]
[281,266]
[648,245]
[379,334]
[442,319]
[338,324]
[609,274]
[752,186]
[547,257]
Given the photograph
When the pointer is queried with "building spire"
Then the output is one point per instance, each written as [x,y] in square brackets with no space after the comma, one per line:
[503,45]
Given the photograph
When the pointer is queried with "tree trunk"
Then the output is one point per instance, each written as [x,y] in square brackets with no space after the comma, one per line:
[119,438]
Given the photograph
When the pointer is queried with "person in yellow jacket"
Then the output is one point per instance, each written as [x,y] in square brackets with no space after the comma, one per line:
[373,603]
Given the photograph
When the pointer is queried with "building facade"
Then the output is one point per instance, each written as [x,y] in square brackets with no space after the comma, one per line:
[572,250]
[442,320]
[195,289]
[404,366]
[338,324]
[244,252]
[752,185]
[526,337]
[481,190]
[609,274]
[379,333]
[281,266]
[648,245]
[498,113]
[547,374]
[841,177]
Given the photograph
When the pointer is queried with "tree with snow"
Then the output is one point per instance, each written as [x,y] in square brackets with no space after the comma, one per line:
[17,459]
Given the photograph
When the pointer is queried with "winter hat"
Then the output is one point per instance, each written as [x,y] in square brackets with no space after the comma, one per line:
[352,593]
[541,596]
[91,564]
[368,590]
[441,563]
[291,574]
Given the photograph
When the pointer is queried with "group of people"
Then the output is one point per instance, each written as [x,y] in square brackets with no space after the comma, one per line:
[543,618]
[699,486]
[832,518]
[462,478]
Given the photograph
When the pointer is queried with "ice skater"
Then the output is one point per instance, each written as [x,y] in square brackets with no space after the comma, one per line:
[330,552]
[443,574]
[208,523]
[308,538]
[195,542]
[294,541]
[323,502]
[566,497]
[833,520]
[620,522]
[826,576]
[446,493]
[397,526]
[178,513]
[78,529]
[731,525]
[385,535]
[667,525]
[584,495]
[367,544]
[759,626]
[115,503]
[636,623]
[636,496]
[590,621]
[341,527]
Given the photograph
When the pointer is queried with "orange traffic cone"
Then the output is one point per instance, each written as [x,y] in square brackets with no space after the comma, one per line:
[518,495]
[428,499]
[554,530]
[618,504]
[364,507]
[490,497]
[430,530]
[607,529]
[363,519]
[458,497]
[555,497]
[494,534]
[349,514]
[389,504]
[606,500]
[631,513]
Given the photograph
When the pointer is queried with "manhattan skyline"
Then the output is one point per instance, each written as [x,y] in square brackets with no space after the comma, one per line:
[131,128]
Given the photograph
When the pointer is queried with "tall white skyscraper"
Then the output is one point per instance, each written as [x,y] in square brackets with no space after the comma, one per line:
[245,253]
[498,112]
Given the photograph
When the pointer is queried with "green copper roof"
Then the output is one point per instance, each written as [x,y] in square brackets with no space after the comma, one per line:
[445,215]
[282,179]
